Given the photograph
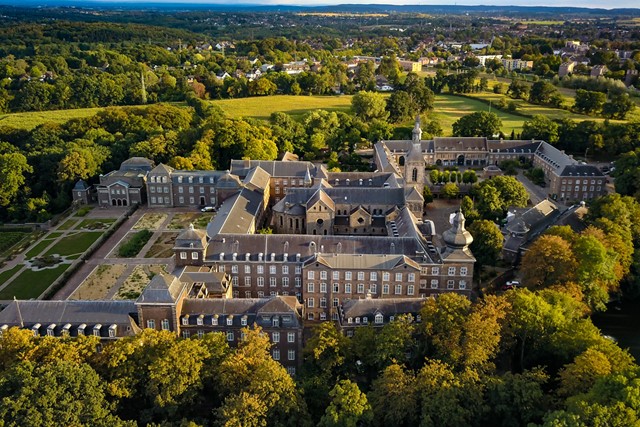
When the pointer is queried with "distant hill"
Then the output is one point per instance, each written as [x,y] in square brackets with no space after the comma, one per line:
[345,8]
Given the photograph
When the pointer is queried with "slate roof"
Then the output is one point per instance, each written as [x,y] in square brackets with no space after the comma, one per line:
[513,146]
[257,179]
[386,306]
[274,168]
[460,144]
[581,170]
[307,246]
[91,313]
[163,289]
[369,179]
[216,282]
[136,164]
[237,214]
[350,195]
[163,169]
[533,217]
[365,262]
[81,185]
[555,158]
[191,238]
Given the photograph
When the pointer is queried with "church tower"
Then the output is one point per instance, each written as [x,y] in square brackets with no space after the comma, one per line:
[414,163]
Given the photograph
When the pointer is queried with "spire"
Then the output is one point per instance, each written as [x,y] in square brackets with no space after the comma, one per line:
[457,237]
[417,132]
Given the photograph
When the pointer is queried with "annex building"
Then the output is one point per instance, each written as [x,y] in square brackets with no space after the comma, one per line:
[567,180]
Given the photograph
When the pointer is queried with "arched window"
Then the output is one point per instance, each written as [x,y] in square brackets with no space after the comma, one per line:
[379,318]
[401,161]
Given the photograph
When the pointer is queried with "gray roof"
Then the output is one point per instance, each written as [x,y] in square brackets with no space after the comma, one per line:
[532,218]
[274,168]
[365,262]
[257,179]
[308,245]
[80,185]
[137,164]
[555,158]
[513,146]
[361,179]
[581,170]
[191,238]
[460,144]
[74,312]
[349,195]
[163,169]
[229,180]
[237,214]
[163,289]
[386,306]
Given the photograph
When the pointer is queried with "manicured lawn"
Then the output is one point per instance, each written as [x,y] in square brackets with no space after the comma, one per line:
[68,224]
[4,276]
[261,107]
[10,238]
[95,223]
[30,284]
[74,244]
[38,248]
[449,108]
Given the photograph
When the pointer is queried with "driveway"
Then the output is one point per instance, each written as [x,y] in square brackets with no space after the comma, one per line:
[536,193]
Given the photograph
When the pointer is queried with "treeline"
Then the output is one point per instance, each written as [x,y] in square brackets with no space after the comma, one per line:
[524,358]
[40,166]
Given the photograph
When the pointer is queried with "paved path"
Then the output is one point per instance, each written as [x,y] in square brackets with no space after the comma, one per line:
[536,193]
[99,256]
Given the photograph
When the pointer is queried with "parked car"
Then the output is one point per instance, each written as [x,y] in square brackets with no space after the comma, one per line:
[511,284]
[208,209]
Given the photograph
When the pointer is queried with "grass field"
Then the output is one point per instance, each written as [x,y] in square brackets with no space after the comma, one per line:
[30,284]
[74,244]
[262,107]
[4,276]
[32,119]
[38,248]
[68,224]
[450,108]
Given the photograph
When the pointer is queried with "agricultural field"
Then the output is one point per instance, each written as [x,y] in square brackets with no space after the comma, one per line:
[31,120]
[262,107]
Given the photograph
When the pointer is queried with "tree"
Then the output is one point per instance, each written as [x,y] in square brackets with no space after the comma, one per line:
[541,127]
[393,398]
[365,76]
[487,242]
[618,106]
[450,190]
[545,93]
[582,373]
[494,196]
[549,261]
[468,210]
[55,394]
[427,195]
[369,105]
[589,102]
[401,106]
[480,123]
[348,408]
[518,89]
[13,166]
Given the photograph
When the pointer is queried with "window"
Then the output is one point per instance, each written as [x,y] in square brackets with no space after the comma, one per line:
[243,321]
[247,269]
[323,275]
[165,325]
[291,337]
[261,282]
[183,255]
[323,287]
[247,294]
[373,276]
[452,271]
[200,320]
[347,288]
[229,320]
[272,282]
[310,316]
[310,287]
[260,294]
[311,275]
[379,318]
[347,275]
[186,334]
[323,316]
[298,282]
[234,268]
[285,269]
[450,284]
[214,320]
[261,269]
[463,271]
[462,284]
[285,282]
[385,289]
[230,336]
[411,277]
[435,271]
[386,277]
[310,302]
[336,287]
[361,288]
[275,337]
[272,269]
[291,355]
[291,370]
[185,320]
[336,302]
[434,284]
[410,289]
[200,333]
[151,324]
[398,277]
[323,302]
[336,275]
[398,290]
[360,275]
[298,269]
[194,255]
[276,354]
[373,288]
[247,280]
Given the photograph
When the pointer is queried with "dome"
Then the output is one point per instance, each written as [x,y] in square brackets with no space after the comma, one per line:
[457,236]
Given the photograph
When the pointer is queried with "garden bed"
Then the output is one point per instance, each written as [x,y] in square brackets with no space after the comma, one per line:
[99,283]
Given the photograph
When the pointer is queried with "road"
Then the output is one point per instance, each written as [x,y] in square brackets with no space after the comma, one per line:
[536,193]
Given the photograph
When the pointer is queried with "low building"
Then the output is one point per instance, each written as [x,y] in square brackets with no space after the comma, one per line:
[516,64]
[83,193]
[598,71]
[566,68]
[357,313]
[410,66]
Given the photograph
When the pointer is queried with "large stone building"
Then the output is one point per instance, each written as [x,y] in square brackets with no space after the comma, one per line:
[125,186]
[567,180]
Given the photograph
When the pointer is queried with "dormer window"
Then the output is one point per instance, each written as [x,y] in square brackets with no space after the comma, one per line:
[185,320]
[230,320]
[379,319]
[96,330]
[365,320]
[214,320]
[349,320]
[275,322]
[357,320]
[51,329]
[36,329]
[243,320]
[65,329]
[113,329]
[200,320]
[81,329]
